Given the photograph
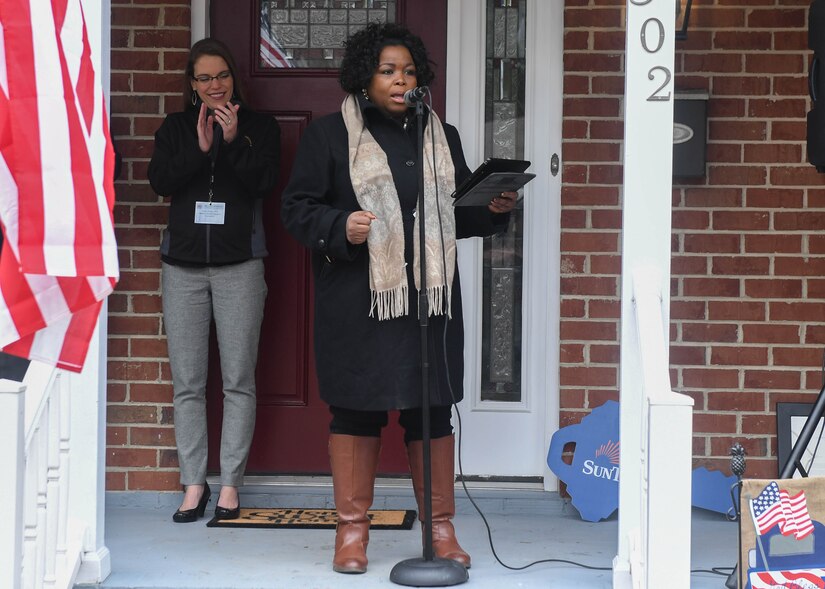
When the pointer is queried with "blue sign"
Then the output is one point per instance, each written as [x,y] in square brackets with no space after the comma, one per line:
[592,478]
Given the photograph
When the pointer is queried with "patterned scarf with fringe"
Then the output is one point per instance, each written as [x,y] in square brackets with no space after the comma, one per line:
[375,191]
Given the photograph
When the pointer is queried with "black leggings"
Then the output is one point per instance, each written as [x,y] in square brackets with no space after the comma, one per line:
[353,422]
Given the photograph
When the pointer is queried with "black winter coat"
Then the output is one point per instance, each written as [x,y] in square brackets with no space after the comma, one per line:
[363,363]
[246,171]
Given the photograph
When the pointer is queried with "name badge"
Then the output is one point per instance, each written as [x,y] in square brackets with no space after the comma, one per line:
[210,213]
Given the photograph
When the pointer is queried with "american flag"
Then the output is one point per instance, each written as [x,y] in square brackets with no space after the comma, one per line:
[776,507]
[271,53]
[59,257]
[801,579]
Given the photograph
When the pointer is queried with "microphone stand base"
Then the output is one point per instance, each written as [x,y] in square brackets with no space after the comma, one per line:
[438,572]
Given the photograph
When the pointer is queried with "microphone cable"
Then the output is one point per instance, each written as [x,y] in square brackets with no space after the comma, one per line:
[452,392]
[721,571]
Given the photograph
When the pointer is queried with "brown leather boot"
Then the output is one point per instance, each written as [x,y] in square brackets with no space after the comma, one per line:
[442,469]
[354,460]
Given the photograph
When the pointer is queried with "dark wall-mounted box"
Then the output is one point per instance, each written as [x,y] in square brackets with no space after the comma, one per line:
[690,121]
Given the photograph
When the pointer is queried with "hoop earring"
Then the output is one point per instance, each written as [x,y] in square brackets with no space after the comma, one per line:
[194,98]
[364,92]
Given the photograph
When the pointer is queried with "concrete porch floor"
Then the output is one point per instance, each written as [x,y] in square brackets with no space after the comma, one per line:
[149,551]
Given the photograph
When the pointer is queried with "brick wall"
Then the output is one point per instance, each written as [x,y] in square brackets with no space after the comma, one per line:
[748,294]
[150,44]
[748,263]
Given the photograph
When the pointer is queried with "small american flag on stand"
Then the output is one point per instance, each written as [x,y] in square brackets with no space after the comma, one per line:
[271,53]
[776,507]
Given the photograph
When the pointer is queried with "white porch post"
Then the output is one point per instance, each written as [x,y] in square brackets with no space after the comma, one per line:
[646,252]
[87,390]
[13,433]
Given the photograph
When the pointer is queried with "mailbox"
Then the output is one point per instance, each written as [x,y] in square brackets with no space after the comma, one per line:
[690,119]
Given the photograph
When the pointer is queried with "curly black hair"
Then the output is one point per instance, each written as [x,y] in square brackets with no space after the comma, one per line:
[363,49]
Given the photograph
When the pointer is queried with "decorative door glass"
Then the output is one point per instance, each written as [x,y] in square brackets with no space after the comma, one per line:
[311,33]
[505,91]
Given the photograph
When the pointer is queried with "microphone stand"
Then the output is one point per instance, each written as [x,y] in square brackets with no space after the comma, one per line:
[428,571]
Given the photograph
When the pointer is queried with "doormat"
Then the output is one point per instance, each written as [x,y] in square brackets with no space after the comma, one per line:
[312,519]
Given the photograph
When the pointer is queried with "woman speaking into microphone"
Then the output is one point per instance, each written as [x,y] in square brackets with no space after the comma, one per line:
[352,200]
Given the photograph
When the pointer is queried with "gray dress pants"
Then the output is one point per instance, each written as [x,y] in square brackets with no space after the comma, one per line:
[234,295]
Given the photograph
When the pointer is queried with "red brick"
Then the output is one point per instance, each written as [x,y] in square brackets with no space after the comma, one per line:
[133,16]
[590,242]
[772,379]
[788,131]
[131,457]
[146,260]
[710,332]
[687,310]
[593,286]
[150,392]
[115,481]
[736,311]
[598,397]
[115,392]
[133,370]
[714,422]
[131,414]
[152,436]
[738,356]
[796,356]
[589,376]
[741,265]
[133,325]
[712,287]
[604,354]
[754,447]
[798,221]
[154,480]
[161,38]
[782,311]
[149,347]
[718,243]
[174,16]
[168,459]
[605,264]
[117,436]
[139,281]
[770,333]
[588,330]
[589,196]
[773,289]
[773,243]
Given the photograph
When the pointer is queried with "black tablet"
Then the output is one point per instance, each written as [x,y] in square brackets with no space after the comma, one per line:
[490,179]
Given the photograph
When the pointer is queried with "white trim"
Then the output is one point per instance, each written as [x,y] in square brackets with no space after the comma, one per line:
[545,79]
[465,108]
[199,20]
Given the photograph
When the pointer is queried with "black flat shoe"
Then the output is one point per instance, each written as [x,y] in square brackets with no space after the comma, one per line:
[224,513]
[192,515]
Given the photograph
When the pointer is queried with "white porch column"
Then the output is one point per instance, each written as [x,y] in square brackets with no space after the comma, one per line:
[646,235]
[87,390]
[11,487]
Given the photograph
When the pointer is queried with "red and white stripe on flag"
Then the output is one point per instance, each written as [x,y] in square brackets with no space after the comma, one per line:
[59,257]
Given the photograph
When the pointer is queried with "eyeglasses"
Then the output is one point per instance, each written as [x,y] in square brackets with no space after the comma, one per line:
[221,77]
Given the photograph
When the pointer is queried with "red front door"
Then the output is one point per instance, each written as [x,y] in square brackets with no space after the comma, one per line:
[292,422]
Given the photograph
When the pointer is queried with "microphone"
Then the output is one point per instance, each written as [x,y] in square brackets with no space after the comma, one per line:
[416,94]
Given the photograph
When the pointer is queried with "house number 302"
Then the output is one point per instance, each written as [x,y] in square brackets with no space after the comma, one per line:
[652,37]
